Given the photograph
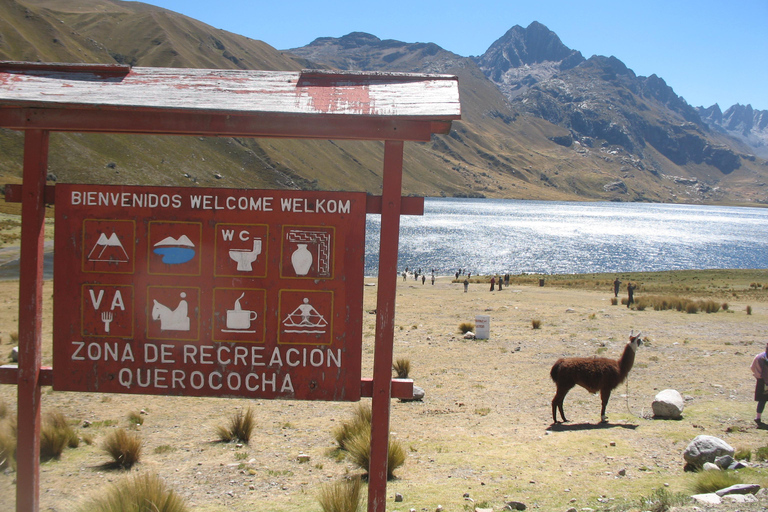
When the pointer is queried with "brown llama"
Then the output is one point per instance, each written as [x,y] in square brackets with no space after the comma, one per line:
[593,374]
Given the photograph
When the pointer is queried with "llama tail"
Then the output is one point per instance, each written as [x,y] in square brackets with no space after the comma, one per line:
[555,370]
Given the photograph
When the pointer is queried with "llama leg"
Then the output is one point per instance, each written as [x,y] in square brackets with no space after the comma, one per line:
[557,403]
[605,394]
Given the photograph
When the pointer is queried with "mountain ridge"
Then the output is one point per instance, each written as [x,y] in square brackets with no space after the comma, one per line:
[556,127]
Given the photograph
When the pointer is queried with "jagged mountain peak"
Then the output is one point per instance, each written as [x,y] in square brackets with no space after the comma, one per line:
[534,44]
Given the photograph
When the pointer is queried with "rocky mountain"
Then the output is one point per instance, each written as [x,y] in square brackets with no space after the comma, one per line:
[743,123]
[539,121]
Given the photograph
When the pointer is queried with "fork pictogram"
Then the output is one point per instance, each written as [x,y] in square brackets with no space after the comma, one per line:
[106,317]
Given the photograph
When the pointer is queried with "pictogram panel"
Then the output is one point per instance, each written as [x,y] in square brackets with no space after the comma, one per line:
[208,292]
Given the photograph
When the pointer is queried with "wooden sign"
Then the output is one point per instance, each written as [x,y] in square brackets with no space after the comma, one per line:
[208,292]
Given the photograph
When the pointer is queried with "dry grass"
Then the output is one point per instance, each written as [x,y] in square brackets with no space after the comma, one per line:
[402,367]
[124,447]
[452,446]
[240,427]
[341,496]
[143,492]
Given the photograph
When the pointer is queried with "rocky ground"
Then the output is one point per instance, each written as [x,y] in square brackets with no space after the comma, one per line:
[482,436]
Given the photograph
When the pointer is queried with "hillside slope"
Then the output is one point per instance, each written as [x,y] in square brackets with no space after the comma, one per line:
[514,141]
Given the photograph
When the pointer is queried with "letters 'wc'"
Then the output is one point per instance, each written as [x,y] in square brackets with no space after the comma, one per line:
[245,257]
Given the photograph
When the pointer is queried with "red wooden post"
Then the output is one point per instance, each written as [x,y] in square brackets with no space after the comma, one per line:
[30,320]
[385,324]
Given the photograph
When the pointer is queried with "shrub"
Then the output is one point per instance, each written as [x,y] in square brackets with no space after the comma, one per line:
[691,308]
[662,500]
[7,446]
[402,367]
[3,411]
[465,327]
[743,454]
[124,447]
[536,324]
[749,310]
[711,481]
[761,453]
[341,496]
[614,301]
[60,422]
[724,305]
[359,452]
[135,418]
[141,493]
[240,427]
[361,420]
[55,435]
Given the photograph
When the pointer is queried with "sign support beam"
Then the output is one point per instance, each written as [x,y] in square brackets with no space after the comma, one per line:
[30,320]
[385,324]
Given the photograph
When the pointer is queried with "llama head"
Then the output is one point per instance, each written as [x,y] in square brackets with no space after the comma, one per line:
[635,340]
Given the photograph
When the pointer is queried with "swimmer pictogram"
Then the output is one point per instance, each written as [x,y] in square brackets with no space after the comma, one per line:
[305,319]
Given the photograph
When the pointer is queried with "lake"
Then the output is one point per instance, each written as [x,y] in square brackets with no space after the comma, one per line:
[486,236]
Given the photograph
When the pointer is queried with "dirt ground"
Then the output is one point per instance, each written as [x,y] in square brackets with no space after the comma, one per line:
[483,434]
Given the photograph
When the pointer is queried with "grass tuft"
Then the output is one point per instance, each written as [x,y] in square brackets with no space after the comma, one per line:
[55,435]
[361,420]
[143,492]
[465,327]
[124,447]
[662,500]
[711,481]
[536,324]
[402,367]
[135,418]
[341,496]
[359,452]
[240,428]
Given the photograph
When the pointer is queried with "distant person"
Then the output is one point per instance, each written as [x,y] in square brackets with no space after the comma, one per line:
[500,283]
[433,279]
[616,285]
[493,283]
[469,275]
[760,371]
[630,294]
[457,274]
[404,275]
[423,279]
[466,285]
[506,280]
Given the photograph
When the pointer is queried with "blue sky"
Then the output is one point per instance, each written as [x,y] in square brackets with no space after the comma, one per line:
[708,51]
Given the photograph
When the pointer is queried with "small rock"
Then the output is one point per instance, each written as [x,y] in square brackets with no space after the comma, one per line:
[668,404]
[707,499]
[622,472]
[739,489]
[515,505]
[710,466]
[15,355]
[439,508]
[739,498]
[398,497]
[469,335]
[302,458]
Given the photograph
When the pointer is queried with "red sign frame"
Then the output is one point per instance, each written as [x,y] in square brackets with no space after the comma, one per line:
[208,292]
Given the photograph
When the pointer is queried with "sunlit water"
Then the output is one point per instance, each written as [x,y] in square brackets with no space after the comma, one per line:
[488,236]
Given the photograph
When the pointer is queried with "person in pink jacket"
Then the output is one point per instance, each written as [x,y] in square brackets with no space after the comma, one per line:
[760,371]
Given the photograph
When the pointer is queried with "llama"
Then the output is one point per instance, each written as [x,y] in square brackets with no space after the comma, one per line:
[593,374]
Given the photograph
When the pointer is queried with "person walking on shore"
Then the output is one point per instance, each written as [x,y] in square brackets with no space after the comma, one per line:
[466,285]
[760,371]
[493,283]
[630,294]
[616,285]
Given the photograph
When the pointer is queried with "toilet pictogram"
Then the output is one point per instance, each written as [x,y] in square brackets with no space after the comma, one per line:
[241,250]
